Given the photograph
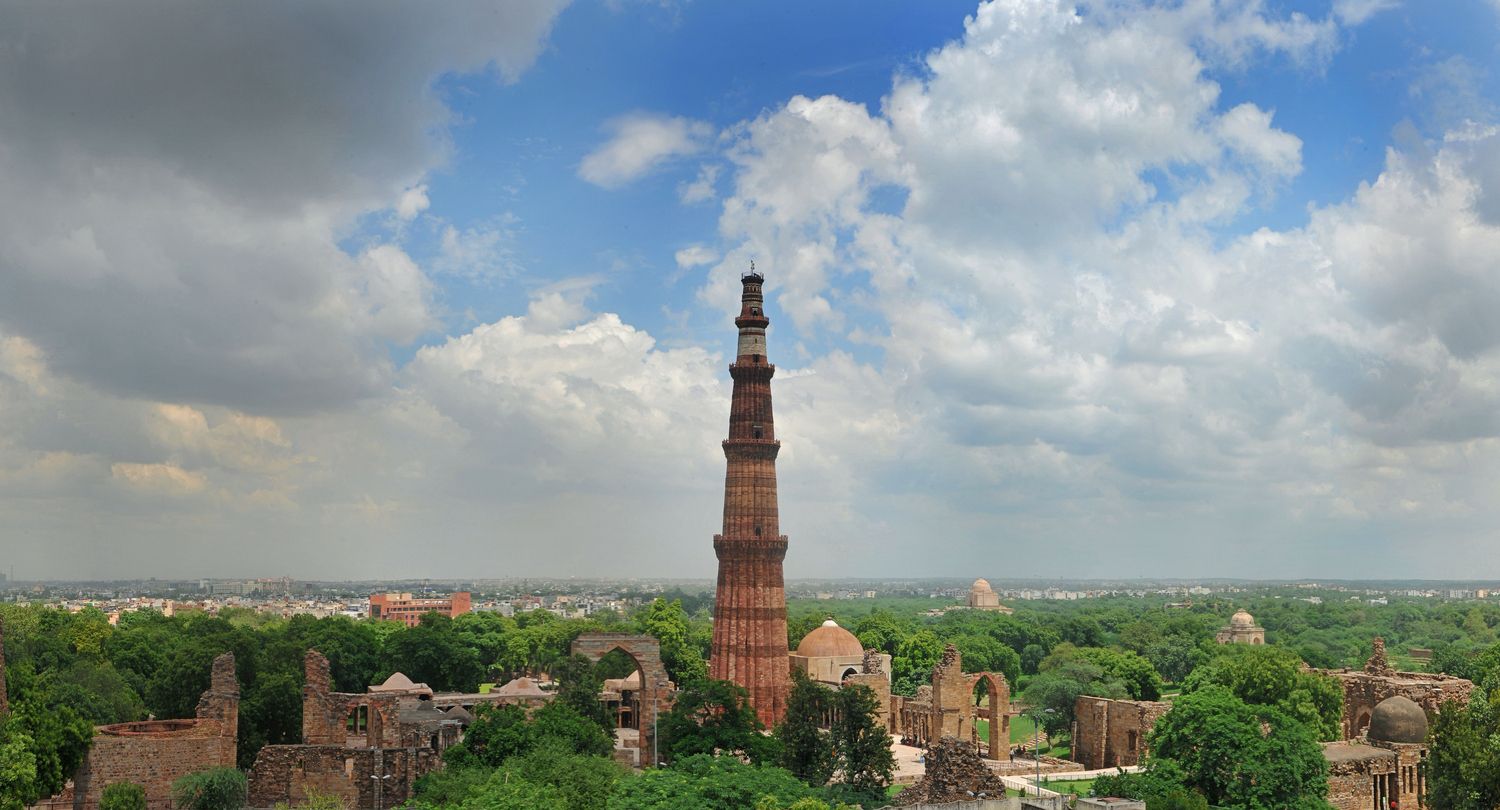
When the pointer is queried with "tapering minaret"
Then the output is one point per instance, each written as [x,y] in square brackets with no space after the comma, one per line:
[750,604]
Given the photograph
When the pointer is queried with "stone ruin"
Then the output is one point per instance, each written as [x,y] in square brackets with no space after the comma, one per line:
[955,773]
[946,708]
[1364,689]
[367,749]
[155,753]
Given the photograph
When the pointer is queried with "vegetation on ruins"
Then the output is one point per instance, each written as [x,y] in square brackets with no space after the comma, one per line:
[1270,676]
[71,671]
[1463,763]
[700,781]
[853,754]
[123,796]
[211,789]
[1240,755]
[806,750]
[715,717]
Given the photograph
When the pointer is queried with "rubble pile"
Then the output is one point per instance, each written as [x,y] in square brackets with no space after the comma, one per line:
[954,773]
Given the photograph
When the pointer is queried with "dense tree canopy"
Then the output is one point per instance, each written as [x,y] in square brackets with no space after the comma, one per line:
[1270,676]
[1242,756]
[1463,763]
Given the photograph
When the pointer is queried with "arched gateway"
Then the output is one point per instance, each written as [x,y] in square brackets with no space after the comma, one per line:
[656,690]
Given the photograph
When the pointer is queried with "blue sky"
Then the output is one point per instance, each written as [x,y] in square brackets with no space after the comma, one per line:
[1096,289]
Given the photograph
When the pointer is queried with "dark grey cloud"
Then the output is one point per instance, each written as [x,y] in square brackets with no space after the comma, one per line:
[175,177]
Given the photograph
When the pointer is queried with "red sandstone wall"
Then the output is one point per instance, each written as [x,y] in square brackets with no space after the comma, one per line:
[287,773]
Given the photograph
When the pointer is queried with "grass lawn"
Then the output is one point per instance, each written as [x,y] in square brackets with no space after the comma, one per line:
[890,792]
[1077,787]
[1023,730]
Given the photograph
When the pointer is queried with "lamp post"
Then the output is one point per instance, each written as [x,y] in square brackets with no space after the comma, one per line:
[1035,716]
[379,787]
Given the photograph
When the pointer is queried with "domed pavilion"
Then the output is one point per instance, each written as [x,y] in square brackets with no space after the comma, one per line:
[1242,629]
[829,654]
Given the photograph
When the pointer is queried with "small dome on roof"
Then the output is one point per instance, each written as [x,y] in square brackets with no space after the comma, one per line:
[1242,618]
[980,585]
[1398,719]
[830,641]
[399,681]
[521,687]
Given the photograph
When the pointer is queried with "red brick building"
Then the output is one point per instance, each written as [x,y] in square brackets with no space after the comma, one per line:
[404,608]
[749,642]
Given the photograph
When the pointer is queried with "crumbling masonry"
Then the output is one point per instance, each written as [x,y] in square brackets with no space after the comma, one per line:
[1112,733]
[156,753]
[367,749]
[946,708]
[1365,689]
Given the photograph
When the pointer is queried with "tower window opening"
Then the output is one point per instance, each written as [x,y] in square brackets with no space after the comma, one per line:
[757,531]
[757,431]
[755,310]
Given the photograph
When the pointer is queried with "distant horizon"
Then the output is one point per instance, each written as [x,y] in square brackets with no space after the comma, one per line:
[790,580]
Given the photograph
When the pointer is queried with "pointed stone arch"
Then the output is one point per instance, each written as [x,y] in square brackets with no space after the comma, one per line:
[656,691]
[998,710]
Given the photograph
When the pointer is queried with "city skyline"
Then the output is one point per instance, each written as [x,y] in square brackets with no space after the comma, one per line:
[1197,290]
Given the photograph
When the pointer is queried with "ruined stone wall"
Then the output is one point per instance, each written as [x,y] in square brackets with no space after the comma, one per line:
[1364,689]
[323,715]
[156,753]
[1352,783]
[1110,733]
[880,684]
[657,692]
[365,778]
[952,695]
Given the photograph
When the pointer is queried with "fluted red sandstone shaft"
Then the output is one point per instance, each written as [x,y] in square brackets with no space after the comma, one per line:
[750,604]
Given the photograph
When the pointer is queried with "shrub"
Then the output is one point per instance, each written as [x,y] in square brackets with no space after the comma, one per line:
[213,789]
[123,796]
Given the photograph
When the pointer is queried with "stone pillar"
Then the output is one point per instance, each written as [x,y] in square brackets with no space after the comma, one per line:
[749,638]
[323,718]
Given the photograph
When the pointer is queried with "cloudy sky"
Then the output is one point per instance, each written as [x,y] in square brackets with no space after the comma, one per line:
[381,289]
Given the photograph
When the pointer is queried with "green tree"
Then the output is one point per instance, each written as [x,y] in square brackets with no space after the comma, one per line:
[1273,676]
[582,782]
[123,796]
[1174,657]
[1463,762]
[984,654]
[861,746]
[880,630]
[18,778]
[212,789]
[711,717]
[579,685]
[700,781]
[434,653]
[501,732]
[806,750]
[1161,786]
[1242,756]
[669,624]
[916,655]
[1140,679]
[59,738]
[1057,687]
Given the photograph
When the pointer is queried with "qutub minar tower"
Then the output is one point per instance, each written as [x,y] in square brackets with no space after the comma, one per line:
[750,646]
